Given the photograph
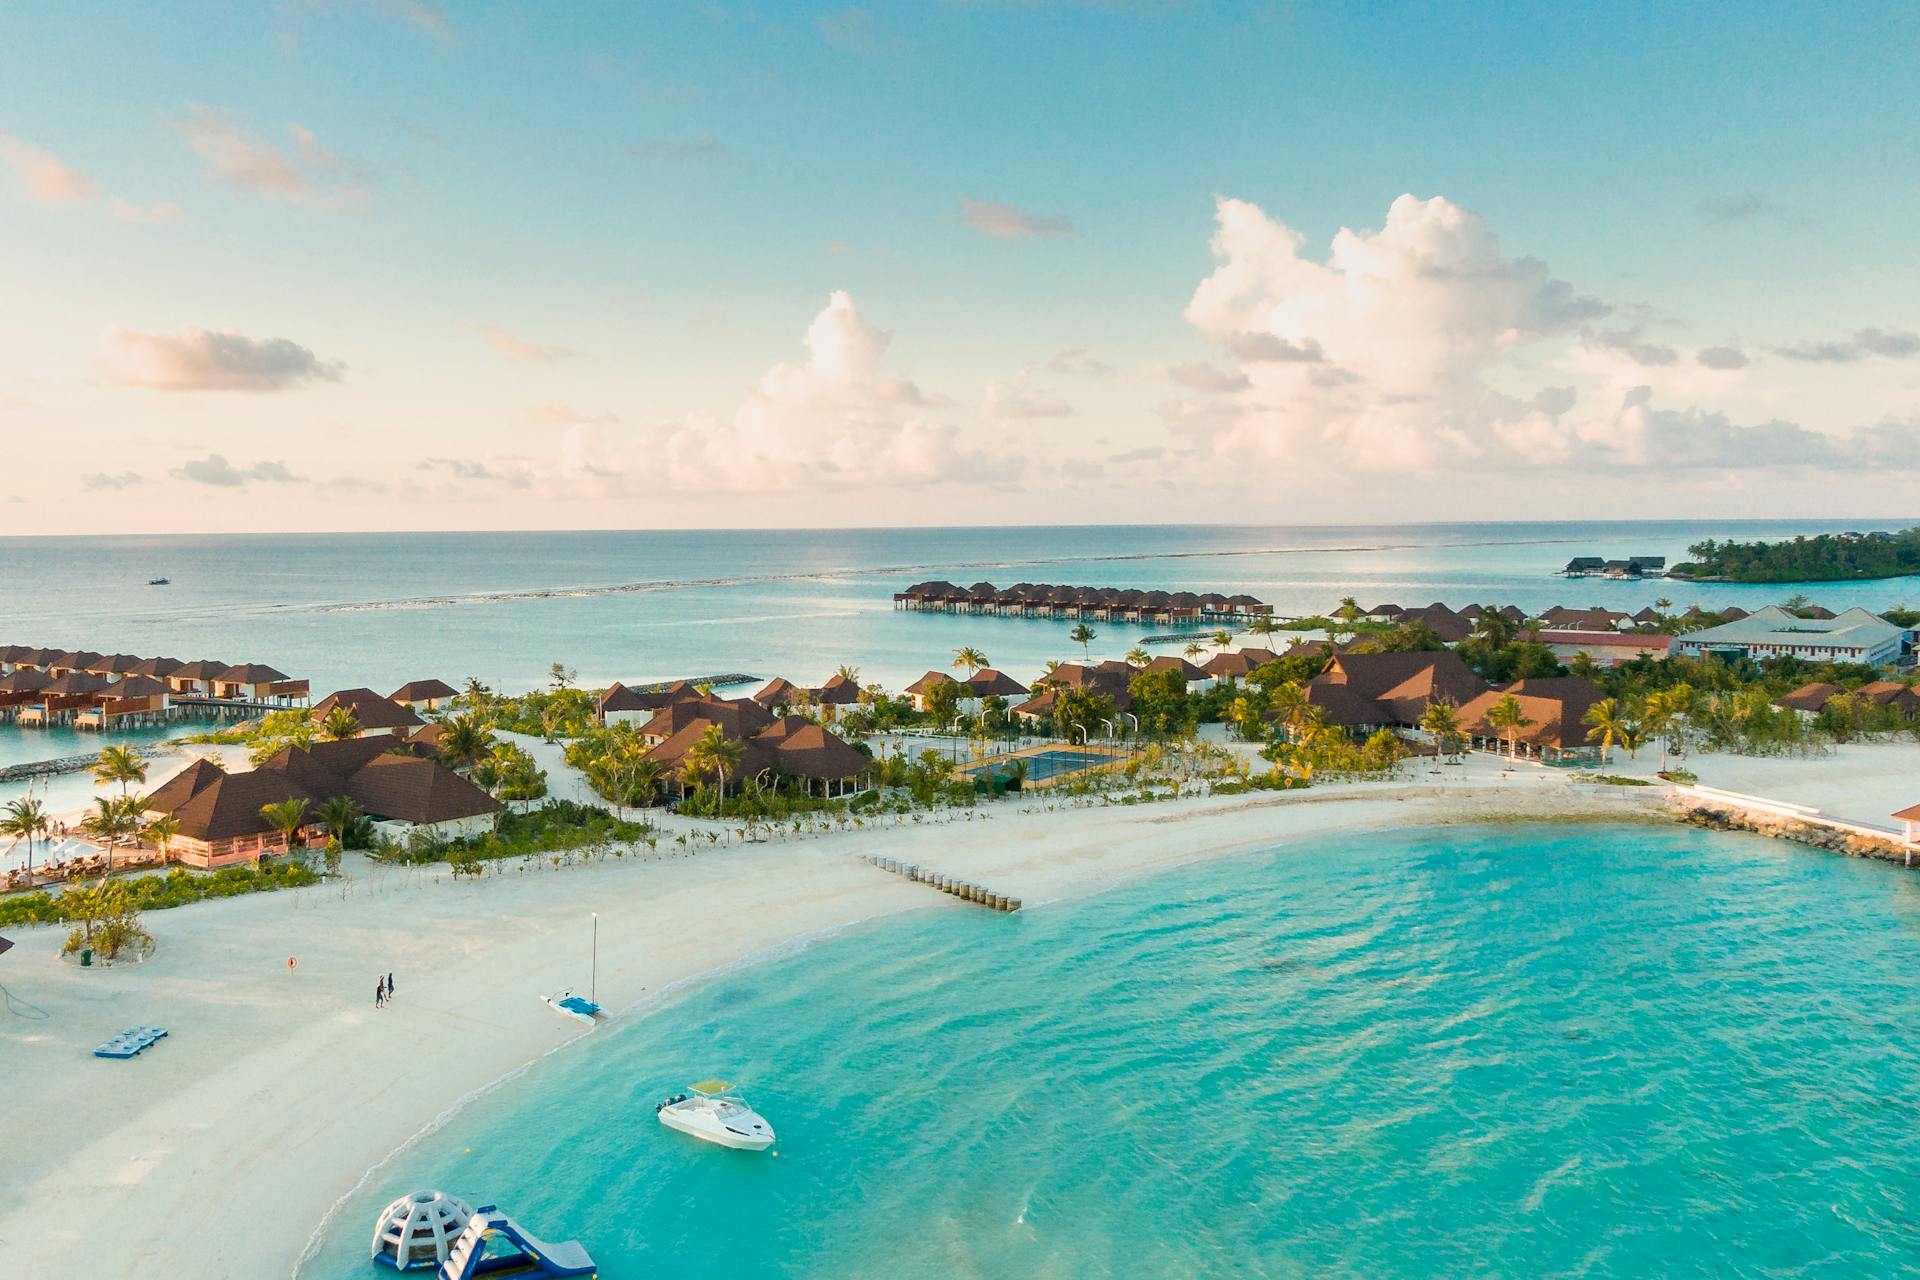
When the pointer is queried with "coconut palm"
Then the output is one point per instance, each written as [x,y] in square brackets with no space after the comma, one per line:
[970,658]
[1665,712]
[1290,703]
[161,831]
[1510,717]
[1083,635]
[340,724]
[1195,649]
[1263,625]
[851,674]
[121,765]
[24,819]
[464,741]
[337,816]
[1138,656]
[1442,720]
[1582,664]
[1349,610]
[1221,639]
[712,755]
[113,819]
[476,693]
[286,817]
[1604,721]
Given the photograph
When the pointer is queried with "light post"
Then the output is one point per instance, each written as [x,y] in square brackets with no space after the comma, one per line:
[593,979]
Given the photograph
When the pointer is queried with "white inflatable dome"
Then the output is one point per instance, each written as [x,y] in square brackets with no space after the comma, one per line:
[418,1230]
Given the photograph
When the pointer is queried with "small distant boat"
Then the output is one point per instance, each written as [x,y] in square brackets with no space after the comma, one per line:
[572,1006]
[712,1112]
[159,582]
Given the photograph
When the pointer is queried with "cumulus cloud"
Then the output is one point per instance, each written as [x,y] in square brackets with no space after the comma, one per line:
[834,420]
[200,360]
[46,178]
[515,347]
[215,470]
[1004,222]
[1722,357]
[1634,345]
[302,172]
[1890,344]
[1382,355]
[97,480]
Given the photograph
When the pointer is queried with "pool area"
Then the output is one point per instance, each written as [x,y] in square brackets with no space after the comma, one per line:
[1048,763]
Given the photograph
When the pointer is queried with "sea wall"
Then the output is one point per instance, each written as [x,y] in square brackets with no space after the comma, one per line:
[1822,833]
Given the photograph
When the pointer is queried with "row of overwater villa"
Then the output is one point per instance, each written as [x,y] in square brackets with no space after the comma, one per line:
[1100,604]
[86,690]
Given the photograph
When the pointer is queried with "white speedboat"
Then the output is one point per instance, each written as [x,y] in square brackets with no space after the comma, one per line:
[713,1112]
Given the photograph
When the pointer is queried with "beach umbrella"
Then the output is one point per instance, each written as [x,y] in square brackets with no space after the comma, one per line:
[5,946]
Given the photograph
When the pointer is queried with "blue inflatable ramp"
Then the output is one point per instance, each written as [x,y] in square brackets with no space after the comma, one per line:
[130,1042]
[495,1245]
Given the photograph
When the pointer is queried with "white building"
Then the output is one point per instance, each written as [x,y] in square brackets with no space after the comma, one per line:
[1773,632]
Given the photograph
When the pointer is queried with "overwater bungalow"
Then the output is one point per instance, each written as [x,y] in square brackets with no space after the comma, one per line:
[1103,604]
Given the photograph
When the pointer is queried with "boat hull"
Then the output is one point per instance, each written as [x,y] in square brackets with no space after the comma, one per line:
[706,1129]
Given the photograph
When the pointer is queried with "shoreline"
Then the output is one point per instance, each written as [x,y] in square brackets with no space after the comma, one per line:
[288,1091]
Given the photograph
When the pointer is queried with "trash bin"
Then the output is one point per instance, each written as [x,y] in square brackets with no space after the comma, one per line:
[86,957]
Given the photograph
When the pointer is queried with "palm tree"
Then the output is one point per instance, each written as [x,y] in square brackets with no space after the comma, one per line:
[1138,656]
[476,693]
[1508,715]
[337,816]
[1083,635]
[1221,639]
[340,724]
[286,817]
[1349,610]
[161,831]
[113,818]
[1582,664]
[713,754]
[1604,721]
[970,658]
[1290,702]
[121,765]
[25,819]
[1666,710]
[851,674]
[1442,720]
[1263,625]
[1195,649]
[465,741]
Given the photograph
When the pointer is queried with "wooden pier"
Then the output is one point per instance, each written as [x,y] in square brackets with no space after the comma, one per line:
[961,889]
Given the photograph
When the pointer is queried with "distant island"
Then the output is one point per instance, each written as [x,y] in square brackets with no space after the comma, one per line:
[1829,557]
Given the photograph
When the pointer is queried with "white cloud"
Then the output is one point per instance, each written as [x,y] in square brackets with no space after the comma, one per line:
[160,211]
[215,470]
[1889,344]
[1004,222]
[1722,357]
[46,177]
[1201,376]
[1079,361]
[1011,403]
[835,420]
[1380,357]
[304,173]
[199,360]
[97,480]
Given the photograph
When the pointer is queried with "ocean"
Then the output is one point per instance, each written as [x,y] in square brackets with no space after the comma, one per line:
[381,609]
[1531,1050]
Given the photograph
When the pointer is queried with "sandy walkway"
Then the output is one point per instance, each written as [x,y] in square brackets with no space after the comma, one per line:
[217,1152]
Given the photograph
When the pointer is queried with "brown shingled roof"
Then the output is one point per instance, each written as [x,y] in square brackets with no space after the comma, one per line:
[369,708]
[423,690]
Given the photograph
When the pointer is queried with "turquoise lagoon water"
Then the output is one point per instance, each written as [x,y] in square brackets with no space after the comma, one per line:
[1562,1051]
[381,609]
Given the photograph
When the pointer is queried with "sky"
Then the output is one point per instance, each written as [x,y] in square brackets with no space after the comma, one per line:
[391,264]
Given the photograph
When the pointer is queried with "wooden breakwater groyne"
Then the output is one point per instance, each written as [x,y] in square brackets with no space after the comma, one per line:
[961,889]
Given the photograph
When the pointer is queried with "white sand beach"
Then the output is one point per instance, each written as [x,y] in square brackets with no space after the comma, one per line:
[218,1152]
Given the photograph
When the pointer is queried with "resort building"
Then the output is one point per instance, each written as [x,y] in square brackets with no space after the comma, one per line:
[1232,665]
[772,748]
[974,689]
[1100,604]
[1379,689]
[220,816]
[1773,632]
[1809,699]
[1555,709]
[1909,820]
[376,715]
[97,691]
[622,705]
[421,696]
[1608,648]
[1197,679]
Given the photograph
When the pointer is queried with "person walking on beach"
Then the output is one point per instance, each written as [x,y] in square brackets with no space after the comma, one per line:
[389,986]
[379,993]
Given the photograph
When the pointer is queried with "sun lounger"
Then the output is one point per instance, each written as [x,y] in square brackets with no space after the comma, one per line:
[130,1042]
